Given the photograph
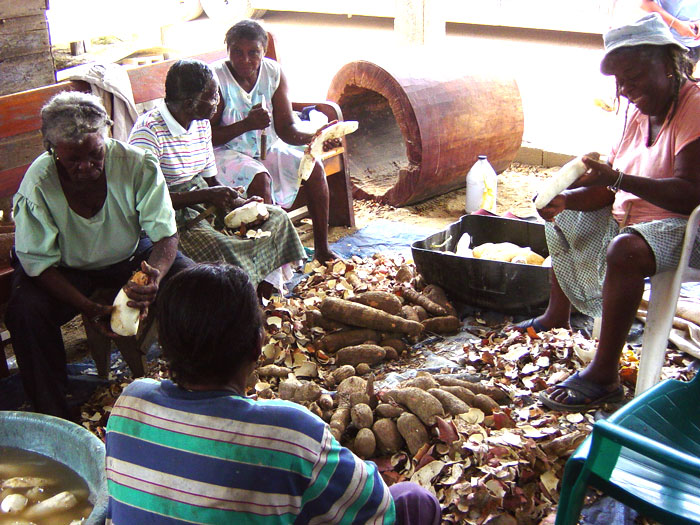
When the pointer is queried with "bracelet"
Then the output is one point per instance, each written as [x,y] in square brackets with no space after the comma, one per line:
[673,21]
[616,186]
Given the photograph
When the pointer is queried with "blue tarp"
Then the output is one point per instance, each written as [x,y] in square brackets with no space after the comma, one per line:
[382,236]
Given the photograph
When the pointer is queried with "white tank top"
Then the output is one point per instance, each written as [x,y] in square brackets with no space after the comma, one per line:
[238,102]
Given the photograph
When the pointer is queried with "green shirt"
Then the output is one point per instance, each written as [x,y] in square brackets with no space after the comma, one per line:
[48,233]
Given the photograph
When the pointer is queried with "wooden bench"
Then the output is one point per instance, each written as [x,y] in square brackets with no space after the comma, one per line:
[21,143]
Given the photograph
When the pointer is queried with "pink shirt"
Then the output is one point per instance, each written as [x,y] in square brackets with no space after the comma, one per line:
[656,161]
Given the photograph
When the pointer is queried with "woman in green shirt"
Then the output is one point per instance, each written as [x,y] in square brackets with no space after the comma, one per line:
[79,214]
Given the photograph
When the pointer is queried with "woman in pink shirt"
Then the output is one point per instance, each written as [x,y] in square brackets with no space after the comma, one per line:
[625,219]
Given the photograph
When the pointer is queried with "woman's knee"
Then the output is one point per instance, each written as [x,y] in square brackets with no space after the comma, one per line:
[629,252]
[262,179]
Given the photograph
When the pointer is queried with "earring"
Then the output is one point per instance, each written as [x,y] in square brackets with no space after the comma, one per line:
[670,75]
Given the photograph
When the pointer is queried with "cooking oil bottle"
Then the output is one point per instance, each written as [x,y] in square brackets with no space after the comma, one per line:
[481,186]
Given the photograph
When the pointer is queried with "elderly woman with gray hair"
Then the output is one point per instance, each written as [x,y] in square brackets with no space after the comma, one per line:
[79,213]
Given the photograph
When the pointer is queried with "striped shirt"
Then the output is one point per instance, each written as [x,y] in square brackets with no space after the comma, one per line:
[182,153]
[175,456]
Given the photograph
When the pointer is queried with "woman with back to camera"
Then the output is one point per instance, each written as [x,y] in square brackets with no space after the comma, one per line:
[625,219]
[196,448]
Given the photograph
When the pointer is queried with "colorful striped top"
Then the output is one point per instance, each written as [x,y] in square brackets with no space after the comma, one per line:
[182,153]
[177,456]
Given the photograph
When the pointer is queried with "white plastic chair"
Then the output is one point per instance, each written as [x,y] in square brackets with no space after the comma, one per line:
[665,290]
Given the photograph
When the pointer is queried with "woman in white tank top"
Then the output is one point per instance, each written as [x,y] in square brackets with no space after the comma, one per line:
[254,103]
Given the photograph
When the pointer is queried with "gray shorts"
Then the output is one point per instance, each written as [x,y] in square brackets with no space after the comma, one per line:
[578,243]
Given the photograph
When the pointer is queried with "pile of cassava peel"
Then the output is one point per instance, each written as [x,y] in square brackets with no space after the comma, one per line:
[486,448]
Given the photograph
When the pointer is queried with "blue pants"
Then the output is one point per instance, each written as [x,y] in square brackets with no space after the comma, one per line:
[34,318]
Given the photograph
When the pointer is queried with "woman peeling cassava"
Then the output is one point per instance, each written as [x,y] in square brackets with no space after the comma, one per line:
[79,214]
[625,219]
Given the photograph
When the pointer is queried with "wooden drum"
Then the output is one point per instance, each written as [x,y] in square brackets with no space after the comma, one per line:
[423,125]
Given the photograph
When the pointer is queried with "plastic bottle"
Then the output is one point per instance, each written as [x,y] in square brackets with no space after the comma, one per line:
[481,187]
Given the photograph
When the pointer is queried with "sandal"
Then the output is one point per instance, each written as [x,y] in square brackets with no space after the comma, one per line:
[529,323]
[582,394]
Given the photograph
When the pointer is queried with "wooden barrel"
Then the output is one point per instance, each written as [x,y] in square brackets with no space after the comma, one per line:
[423,125]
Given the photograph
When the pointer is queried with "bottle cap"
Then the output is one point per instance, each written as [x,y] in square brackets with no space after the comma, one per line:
[482,157]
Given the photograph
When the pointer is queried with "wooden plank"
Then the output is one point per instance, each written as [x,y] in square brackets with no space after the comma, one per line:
[20,150]
[19,112]
[21,24]
[30,42]
[26,72]
[15,8]
[148,82]
[298,214]
[10,180]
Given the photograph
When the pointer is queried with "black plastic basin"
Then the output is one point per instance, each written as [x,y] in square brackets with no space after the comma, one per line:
[501,286]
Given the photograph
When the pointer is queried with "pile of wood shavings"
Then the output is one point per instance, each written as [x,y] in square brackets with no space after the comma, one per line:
[504,468]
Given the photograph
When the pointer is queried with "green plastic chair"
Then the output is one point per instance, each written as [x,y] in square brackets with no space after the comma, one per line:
[646,455]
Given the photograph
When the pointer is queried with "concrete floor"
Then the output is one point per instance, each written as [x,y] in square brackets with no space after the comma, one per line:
[557,73]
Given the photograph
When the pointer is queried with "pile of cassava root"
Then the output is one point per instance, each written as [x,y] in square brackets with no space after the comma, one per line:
[364,330]
[499,461]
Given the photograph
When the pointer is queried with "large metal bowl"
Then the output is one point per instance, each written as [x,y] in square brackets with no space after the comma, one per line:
[501,286]
[65,442]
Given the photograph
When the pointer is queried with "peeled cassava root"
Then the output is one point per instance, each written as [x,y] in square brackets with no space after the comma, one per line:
[315,148]
[564,178]
[62,501]
[248,215]
[507,252]
[125,319]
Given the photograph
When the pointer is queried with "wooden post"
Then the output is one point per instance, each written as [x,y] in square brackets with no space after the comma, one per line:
[420,21]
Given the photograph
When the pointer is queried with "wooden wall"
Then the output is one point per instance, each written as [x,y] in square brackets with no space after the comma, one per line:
[25,47]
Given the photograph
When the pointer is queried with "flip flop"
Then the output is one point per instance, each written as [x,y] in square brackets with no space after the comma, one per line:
[583,394]
[529,323]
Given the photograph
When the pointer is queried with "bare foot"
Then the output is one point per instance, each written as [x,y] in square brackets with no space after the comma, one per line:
[323,256]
